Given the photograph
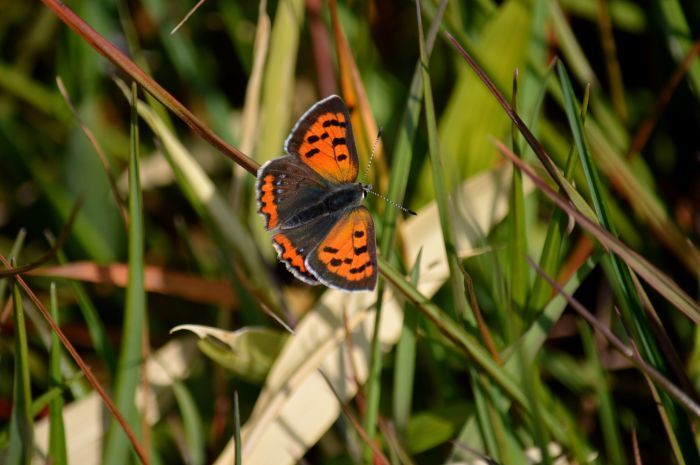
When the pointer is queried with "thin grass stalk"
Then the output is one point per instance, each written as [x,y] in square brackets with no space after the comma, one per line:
[237,430]
[21,424]
[193,425]
[478,356]
[57,434]
[617,86]
[519,272]
[529,345]
[678,35]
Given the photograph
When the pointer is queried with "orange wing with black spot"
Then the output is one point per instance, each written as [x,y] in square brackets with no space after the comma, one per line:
[347,256]
[323,140]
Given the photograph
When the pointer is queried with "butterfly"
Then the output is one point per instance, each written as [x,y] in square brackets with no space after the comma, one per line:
[312,204]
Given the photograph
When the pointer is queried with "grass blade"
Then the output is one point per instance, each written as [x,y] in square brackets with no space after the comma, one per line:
[193,425]
[21,424]
[519,271]
[57,434]
[129,367]
[405,365]
[439,184]
[608,412]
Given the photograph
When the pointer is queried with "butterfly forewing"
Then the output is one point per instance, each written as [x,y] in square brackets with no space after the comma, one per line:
[347,256]
[285,186]
[323,140]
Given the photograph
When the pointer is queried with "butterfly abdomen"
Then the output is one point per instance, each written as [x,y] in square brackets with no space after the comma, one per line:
[337,199]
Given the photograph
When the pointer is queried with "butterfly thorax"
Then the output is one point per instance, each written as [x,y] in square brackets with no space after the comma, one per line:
[338,198]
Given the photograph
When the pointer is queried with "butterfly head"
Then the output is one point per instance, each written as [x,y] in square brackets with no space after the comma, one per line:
[366,188]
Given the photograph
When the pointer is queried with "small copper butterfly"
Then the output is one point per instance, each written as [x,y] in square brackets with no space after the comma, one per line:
[312,204]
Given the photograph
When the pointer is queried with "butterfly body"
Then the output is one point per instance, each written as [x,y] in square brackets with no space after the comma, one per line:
[312,204]
[337,200]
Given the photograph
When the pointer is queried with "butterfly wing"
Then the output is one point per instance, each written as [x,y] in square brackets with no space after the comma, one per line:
[294,245]
[347,257]
[285,186]
[323,140]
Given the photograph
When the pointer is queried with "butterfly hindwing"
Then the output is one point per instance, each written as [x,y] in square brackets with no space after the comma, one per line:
[284,187]
[323,140]
[347,257]
[294,245]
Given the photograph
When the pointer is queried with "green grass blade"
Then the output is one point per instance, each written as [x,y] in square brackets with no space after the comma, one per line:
[439,184]
[549,258]
[519,271]
[237,430]
[608,412]
[21,424]
[129,367]
[193,425]
[405,364]
[57,434]
[403,148]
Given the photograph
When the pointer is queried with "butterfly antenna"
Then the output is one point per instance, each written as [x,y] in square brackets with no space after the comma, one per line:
[371,155]
[389,201]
